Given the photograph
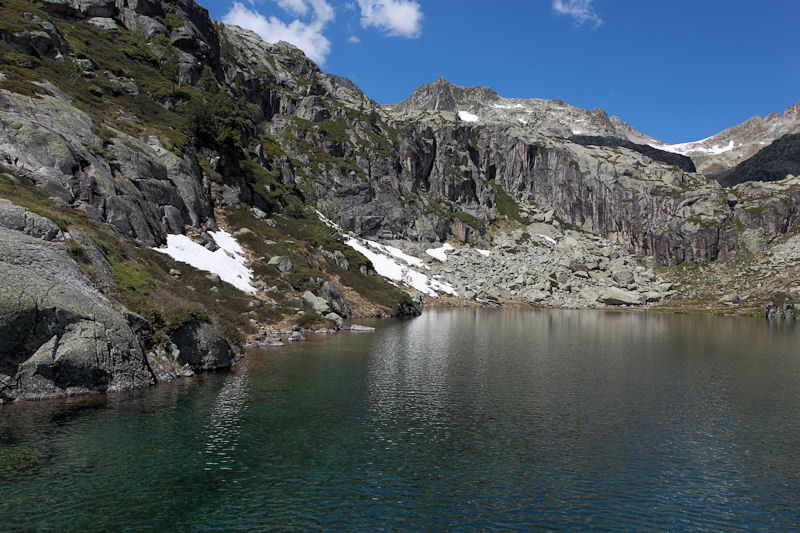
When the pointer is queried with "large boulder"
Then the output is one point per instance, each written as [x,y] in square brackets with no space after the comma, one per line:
[20,219]
[333,296]
[617,296]
[58,335]
[202,347]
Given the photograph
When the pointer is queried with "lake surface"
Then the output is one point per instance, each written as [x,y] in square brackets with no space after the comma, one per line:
[476,419]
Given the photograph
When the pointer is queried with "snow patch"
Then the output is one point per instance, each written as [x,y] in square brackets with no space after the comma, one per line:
[501,106]
[398,253]
[485,253]
[227,262]
[522,120]
[393,270]
[441,252]
[695,147]
[466,116]
[392,263]
[548,239]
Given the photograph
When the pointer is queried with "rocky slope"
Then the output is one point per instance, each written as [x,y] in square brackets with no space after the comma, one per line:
[132,125]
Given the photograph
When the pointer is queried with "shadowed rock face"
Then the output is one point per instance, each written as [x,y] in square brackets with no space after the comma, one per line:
[680,161]
[772,163]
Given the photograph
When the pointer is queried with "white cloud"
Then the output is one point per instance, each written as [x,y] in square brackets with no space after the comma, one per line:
[580,10]
[295,7]
[353,39]
[307,36]
[401,18]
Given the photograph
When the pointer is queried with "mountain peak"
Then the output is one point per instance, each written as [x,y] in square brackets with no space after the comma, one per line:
[443,95]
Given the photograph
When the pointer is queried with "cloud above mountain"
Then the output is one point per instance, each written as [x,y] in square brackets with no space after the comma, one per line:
[400,18]
[305,34]
[308,21]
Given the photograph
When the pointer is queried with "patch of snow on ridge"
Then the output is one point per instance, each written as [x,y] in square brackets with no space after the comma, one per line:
[227,262]
[485,253]
[441,252]
[392,263]
[694,147]
[466,116]
[501,106]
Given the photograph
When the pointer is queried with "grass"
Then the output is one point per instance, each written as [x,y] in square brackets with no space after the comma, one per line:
[506,204]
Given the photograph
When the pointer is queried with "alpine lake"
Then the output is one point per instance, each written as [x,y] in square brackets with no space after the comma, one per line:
[456,420]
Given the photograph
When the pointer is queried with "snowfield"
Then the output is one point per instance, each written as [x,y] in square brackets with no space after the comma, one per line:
[392,263]
[466,116]
[441,252]
[695,148]
[227,262]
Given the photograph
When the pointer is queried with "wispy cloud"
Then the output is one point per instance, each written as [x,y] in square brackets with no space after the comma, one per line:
[402,18]
[580,10]
[353,39]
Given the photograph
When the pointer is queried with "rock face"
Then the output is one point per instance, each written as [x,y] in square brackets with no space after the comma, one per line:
[772,163]
[142,190]
[59,335]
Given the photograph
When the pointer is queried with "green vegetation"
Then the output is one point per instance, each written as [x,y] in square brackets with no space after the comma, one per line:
[506,204]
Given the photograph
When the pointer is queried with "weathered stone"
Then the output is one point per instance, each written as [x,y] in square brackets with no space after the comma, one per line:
[20,219]
[59,335]
[316,302]
[202,347]
[281,262]
[617,296]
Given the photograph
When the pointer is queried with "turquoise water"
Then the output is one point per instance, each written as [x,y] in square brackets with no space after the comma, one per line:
[461,420]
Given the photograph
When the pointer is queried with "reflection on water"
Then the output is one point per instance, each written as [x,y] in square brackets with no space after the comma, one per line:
[470,419]
[224,424]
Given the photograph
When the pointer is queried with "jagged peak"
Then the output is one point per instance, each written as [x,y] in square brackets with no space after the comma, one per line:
[443,95]
[792,112]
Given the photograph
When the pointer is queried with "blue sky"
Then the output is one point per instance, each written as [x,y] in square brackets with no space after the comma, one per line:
[678,70]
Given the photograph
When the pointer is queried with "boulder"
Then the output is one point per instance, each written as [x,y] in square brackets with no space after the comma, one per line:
[20,219]
[333,296]
[58,335]
[617,296]
[202,346]
[281,262]
[336,318]
[318,303]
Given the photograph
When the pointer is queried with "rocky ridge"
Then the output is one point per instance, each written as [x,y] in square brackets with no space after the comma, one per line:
[732,146]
